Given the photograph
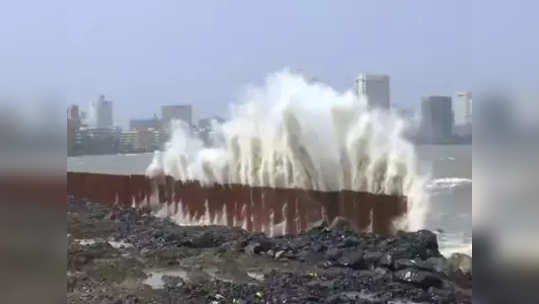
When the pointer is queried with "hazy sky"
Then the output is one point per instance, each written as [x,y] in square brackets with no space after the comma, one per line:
[142,54]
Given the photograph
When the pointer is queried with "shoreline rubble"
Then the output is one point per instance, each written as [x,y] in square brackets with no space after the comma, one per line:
[114,255]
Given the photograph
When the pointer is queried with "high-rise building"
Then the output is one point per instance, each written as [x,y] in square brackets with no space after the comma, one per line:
[176,112]
[103,113]
[73,126]
[462,107]
[436,118]
[375,89]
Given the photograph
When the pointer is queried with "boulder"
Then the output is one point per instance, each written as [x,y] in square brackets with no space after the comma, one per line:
[257,246]
[352,259]
[371,258]
[386,260]
[412,263]
[462,263]
[418,277]
[333,253]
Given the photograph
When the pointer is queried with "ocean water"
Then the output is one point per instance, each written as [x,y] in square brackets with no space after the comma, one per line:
[450,187]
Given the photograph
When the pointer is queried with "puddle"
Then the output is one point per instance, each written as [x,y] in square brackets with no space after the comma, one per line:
[155,277]
[86,242]
[114,244]
[120,244]
[214,273]
[256,275]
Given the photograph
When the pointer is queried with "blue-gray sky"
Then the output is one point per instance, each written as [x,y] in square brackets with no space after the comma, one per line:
[142,54]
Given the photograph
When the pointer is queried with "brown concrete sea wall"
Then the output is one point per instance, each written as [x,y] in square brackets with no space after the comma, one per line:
[273,211]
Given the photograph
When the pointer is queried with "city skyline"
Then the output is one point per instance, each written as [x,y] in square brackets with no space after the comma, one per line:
[374,79]
[206,54]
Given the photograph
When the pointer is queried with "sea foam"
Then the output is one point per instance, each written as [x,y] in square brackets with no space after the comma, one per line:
[295,133]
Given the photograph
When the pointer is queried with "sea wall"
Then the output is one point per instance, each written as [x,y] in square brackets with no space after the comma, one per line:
[273,211]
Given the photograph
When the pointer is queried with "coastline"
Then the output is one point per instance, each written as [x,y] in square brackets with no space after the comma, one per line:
[130,256]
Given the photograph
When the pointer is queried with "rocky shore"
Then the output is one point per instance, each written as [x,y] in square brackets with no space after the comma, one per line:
[130,256]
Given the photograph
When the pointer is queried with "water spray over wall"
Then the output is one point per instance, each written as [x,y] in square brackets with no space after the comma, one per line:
[292,133]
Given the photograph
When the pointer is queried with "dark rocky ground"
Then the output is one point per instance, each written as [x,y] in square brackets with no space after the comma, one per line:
[130,256]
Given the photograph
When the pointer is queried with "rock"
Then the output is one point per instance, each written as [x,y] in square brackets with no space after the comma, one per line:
[421,278]
[441,295]
[204,240]
[254,248]
[462,263]
[279,254]
[317,226]
[317,247]
[412,263]
[333,253]
[371,258]
[172,281]
[386,260]
[340,223]
[346,297]
[352,260]
[440,265]
[349,241]
[427,240]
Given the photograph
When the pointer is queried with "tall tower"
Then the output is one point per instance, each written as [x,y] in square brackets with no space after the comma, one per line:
[375,89]
[103,113]
[437,118]
[462,105]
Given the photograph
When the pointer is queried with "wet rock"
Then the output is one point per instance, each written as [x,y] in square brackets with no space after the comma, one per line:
[371,258]
[172,281]
[386,260]
[204,240]
[279,254]
[258,243]
[421,278]
[412,263]
[462,263]
[256,247]
[333,253]
[440,265]
[346,297]
[353,259]
[360,267]
[441,295]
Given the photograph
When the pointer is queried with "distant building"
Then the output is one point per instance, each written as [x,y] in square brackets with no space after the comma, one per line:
[462,108]
[139,141]
[375,88]
[73,126]
[97,141]
[179,112]
[436,119]
[144,124]
[103,113]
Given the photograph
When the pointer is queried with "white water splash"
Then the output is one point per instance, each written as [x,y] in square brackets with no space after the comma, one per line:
[292,133]
[447,183]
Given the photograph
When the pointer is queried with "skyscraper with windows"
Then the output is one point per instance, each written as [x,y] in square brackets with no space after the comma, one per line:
[103,113]
[375,89]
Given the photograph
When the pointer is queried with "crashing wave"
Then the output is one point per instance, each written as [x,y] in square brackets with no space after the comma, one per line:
[293,133]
